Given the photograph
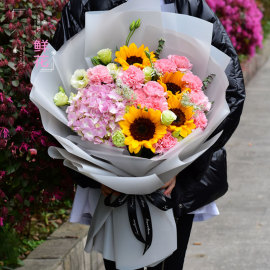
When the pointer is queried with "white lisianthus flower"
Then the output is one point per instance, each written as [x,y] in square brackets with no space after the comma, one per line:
[105,56]
[167,117]
[79,79]
[60,98]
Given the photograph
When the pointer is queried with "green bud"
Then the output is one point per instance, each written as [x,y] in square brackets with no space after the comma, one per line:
[147,54]
[60,99]
[148,73]
[167,117]
[95,61]
[137,24]
[132,26]
[176,134]
[61,89]
[105,56]
[118,138]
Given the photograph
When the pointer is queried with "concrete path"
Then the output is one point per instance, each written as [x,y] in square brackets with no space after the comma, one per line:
[239,239]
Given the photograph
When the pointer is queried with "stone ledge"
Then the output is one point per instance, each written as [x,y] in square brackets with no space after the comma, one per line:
[64,249]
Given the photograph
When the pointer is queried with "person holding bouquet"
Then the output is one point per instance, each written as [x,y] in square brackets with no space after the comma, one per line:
[205,180]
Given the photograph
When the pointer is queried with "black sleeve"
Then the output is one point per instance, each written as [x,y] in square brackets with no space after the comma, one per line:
[205,180]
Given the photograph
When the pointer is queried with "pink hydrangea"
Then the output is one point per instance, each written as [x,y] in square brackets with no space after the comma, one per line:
[182,63]
[200,99]
[99,75]
[165,144]
[192,81]
[200,119]
[165,65]
[133,77]
[152,95]
[95,111]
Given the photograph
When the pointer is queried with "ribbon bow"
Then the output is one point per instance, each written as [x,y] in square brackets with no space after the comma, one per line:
[157,198]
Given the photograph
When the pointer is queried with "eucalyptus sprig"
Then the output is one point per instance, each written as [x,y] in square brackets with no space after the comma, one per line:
[132,28]
[158,51]
[207,81]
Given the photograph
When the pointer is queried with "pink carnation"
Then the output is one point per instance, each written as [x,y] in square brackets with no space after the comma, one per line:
[165,144]
[200,120]
[133,77]
[153,89]
[165,65]
[152,95]
[99,75]
[192,81]
[200,99]
[181,62]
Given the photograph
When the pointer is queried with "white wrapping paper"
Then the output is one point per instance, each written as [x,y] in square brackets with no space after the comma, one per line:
[110,232]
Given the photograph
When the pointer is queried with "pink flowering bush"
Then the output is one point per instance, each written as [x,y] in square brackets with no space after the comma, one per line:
[29,179]
[242,21]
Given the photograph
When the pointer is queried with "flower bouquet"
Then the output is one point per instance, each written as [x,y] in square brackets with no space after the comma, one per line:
[134,121]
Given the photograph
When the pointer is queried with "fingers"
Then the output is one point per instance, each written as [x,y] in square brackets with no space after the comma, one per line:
[168,191]
[169,186]
[106,191]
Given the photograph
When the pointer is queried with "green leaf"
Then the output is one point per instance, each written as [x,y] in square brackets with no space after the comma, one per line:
[1,86]
[12,168]
[7,32]
[3,17]
[47,12]
[47,34]
[12,65]
[15,83]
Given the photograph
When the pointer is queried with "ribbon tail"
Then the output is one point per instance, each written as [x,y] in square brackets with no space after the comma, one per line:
[133,220]
[147,222]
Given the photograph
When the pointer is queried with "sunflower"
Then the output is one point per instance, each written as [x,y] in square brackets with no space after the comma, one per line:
[183,125]
[142,129]
[134,56]
[172,83]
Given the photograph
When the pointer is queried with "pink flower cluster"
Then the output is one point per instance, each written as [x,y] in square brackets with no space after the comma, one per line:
[95,111]
[166,143]
[152,95]
[133,77]
[97,108]
[242,21]
[99,75]
[172,64]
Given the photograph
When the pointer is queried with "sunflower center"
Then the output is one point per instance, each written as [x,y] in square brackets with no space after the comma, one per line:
[174,88]
[142,129]
[181,118]
[134,60]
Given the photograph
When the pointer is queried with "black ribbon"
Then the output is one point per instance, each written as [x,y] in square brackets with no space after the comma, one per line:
[157,198]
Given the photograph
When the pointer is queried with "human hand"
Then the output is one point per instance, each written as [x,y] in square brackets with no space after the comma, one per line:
[106,191]
[169,186]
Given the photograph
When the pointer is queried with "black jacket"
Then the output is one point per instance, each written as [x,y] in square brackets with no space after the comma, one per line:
[205,180]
